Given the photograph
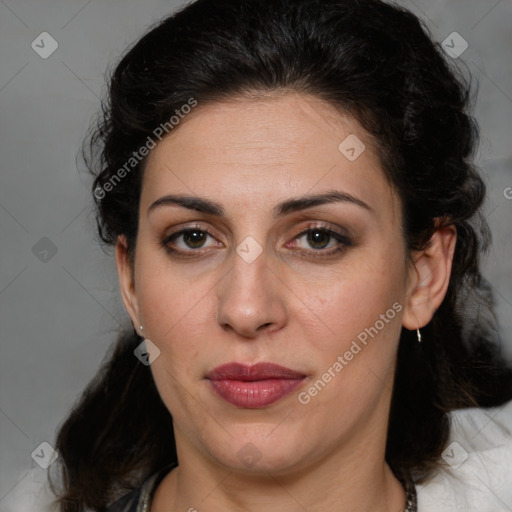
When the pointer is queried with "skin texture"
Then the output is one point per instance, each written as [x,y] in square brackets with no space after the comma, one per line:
[287,306]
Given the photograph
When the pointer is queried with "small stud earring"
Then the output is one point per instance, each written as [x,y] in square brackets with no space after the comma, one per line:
[418,334]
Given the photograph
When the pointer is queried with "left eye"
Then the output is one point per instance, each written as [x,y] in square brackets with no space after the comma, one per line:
[321,238]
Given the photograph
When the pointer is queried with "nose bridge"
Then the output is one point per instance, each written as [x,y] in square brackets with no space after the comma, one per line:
[251,277]
[250,297]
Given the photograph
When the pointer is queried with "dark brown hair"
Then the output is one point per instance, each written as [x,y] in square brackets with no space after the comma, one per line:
[373,60]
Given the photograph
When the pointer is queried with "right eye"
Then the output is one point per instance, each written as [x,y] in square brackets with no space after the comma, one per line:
[188,240]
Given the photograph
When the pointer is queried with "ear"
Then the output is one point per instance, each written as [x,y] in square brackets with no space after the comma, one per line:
[429,277]
[126,282]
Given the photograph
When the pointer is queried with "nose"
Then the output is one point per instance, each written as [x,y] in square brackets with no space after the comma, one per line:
[251,299]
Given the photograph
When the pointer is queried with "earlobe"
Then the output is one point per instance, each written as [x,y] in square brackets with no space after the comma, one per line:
[126,282]
[429,278]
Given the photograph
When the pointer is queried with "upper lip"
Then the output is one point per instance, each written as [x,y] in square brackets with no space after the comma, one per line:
[259,371]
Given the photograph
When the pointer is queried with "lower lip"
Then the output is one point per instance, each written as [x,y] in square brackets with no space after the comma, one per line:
[254,394]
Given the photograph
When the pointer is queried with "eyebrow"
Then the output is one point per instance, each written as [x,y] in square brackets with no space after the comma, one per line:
[207,206]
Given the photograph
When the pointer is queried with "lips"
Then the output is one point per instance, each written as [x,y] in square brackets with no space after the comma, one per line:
[253,386]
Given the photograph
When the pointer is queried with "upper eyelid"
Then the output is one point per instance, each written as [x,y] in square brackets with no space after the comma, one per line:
[181,230]
[312,225]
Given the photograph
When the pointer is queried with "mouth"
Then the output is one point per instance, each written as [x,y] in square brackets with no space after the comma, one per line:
[253,387]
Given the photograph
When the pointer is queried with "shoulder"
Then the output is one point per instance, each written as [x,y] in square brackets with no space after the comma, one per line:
[140,499]
[475,472]
[128,503]
[33,494]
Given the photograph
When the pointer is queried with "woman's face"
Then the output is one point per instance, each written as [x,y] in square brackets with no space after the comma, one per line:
[294,256]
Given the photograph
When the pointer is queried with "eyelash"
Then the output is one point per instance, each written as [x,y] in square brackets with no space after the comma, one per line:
[343,240]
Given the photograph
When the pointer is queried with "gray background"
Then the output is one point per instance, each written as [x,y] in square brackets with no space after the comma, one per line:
[58,317]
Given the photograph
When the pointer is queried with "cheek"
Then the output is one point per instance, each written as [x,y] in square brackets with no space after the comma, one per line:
[167,298]
[368,296]
[178,318]
[354,364]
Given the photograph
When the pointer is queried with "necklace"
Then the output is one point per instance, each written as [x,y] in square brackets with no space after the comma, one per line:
[411,501]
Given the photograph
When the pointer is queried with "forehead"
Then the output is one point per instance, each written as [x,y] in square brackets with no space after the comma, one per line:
[261,150]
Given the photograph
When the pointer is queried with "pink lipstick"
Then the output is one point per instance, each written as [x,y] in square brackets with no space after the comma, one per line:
[253,387]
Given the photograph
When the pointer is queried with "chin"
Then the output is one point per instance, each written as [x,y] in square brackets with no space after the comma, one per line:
[257,452]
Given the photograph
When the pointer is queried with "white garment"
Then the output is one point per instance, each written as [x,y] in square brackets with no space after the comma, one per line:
[476,475]
[31,494]
[483,480]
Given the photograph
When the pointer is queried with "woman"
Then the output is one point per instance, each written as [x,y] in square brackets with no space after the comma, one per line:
[295,213]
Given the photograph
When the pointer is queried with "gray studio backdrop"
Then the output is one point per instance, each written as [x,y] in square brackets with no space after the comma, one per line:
[59,305]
